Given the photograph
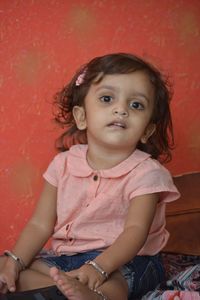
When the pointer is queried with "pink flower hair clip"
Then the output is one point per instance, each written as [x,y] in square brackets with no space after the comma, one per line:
[80,78]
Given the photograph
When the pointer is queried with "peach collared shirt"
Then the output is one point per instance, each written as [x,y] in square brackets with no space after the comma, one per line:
[92,205]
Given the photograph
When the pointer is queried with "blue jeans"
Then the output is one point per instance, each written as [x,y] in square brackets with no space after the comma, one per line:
[142,273]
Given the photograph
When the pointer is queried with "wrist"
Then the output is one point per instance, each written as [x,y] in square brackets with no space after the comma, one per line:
[15,260]
[98,268]
[108,262]
[11,265]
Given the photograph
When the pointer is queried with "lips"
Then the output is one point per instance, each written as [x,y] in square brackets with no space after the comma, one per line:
[117,124]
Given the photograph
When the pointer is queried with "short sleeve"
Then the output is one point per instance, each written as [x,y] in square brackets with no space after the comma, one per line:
[152,177]
[50,174]
[56,169]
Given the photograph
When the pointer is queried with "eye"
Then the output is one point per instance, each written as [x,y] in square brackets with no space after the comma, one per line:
[136,105]
[106,99]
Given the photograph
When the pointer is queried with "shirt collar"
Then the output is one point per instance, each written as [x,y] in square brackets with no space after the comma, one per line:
[78,165]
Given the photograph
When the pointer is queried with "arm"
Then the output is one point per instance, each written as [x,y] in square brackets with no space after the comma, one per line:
[139,219]
[40,226]
[35,234]
[137,224]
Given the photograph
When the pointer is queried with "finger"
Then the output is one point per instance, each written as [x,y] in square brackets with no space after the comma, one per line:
[1,285]
[83,279]
[4,289]
[97,284]
[11,285]
[78,275]
[92,283]
[72,273]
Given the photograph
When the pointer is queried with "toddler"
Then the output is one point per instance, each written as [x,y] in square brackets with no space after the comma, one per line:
[104,198]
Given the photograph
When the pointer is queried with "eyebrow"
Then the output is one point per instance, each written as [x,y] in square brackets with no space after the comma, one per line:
[112,88]
[105,86]
[142,95]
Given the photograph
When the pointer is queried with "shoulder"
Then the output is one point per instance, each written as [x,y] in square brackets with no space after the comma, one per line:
[150,166]
[61,156]
[58,162]
[74,151]
[71,161]
[150,176]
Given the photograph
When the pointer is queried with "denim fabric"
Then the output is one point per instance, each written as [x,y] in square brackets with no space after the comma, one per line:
[68,263]
[142,273]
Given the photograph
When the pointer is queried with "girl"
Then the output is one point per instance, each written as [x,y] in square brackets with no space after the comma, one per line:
[104,199]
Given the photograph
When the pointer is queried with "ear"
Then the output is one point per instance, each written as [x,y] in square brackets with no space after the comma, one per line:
[148,132]
[79,117]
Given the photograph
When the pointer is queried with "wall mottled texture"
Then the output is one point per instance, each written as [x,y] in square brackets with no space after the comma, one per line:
[43,42]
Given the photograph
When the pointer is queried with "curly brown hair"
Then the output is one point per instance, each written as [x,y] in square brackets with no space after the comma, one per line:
[160,144]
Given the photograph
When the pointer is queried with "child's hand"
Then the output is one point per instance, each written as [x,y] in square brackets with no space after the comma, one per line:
[8,276]
[88,276]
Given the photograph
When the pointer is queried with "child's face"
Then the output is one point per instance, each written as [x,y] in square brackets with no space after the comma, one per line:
[117,111]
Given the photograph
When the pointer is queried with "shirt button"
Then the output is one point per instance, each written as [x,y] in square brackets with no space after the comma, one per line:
[95,178]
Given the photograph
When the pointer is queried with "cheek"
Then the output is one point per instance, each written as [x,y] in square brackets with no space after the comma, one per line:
[94,115]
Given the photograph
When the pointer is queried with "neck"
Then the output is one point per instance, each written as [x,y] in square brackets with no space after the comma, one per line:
[100,158]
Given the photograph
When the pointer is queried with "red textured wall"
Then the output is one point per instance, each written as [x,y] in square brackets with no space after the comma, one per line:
[43,42]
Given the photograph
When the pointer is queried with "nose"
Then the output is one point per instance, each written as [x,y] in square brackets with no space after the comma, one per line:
[120,112]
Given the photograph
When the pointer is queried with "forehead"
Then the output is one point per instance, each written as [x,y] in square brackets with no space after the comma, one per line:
[135,82]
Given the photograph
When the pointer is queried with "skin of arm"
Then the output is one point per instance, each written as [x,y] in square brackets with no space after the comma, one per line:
[33,237]
[139,219]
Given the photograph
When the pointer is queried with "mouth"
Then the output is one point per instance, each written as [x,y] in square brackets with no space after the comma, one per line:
[117,124]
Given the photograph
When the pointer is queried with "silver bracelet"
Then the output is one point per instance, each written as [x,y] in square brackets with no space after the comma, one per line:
[97,268]
[16,259]
[100,294]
